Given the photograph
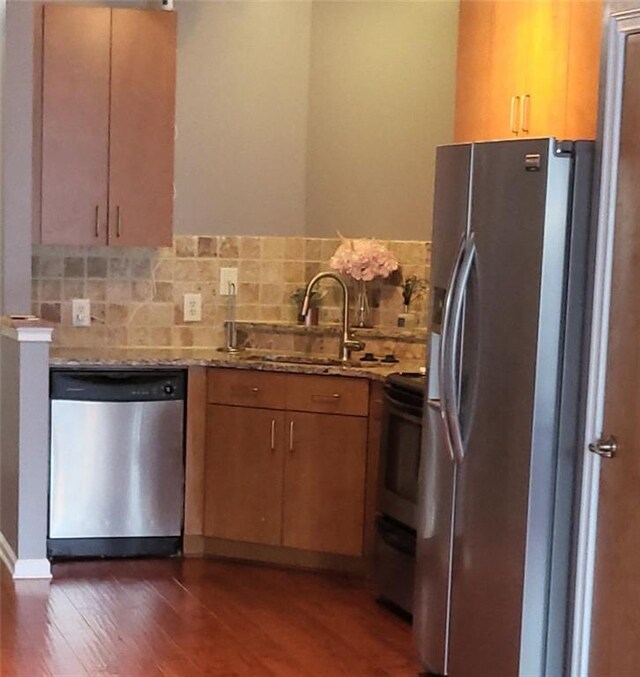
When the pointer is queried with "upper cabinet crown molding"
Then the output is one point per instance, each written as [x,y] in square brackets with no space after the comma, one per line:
[527,69]
[107,126]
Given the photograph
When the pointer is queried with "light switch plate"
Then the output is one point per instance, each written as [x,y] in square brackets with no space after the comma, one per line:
[228,277]
[81,312]
[192,307]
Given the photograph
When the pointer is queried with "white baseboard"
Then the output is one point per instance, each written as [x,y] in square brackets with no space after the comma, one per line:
[32,568]
[23,568]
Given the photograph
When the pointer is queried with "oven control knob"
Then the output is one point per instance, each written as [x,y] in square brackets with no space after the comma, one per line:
[169,389]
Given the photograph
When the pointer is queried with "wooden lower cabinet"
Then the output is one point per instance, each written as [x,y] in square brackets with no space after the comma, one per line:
[324,483]
[243,474]
[281,477]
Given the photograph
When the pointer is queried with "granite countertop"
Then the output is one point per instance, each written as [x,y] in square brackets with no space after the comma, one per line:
[261,360]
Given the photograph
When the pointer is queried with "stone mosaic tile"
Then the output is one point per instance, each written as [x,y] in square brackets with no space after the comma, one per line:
[137,293]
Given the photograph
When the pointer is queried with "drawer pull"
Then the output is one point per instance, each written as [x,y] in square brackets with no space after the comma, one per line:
[326,398]
[273,435]
[255,390]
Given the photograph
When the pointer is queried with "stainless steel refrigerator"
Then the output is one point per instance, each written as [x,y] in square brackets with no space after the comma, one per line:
[510,284]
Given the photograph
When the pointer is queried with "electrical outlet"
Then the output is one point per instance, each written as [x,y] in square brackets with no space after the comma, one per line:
[81,312]
[228,277]
[192,307]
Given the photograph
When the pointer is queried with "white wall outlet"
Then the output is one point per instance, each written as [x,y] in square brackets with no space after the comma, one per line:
[192,307]
[81,312]
[228,277]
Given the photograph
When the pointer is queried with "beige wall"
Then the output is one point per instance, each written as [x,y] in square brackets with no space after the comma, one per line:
[16,159]
[382,96]
[241,115]
[3,10]
[299,118]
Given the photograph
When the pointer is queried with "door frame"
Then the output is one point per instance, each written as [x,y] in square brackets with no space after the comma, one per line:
[616,28]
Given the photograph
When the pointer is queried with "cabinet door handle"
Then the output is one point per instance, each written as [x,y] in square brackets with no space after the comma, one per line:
[273,434]
[97,221]
[291,436]
[255,390]
[513,120]
[118,222]
[524,113]
[325,398]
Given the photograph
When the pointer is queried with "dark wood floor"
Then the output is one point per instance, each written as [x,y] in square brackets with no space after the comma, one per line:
[196,618]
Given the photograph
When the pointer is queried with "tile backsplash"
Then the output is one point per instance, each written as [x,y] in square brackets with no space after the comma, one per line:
[137,293]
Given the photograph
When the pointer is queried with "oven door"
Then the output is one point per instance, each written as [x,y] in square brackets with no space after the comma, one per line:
[400,456]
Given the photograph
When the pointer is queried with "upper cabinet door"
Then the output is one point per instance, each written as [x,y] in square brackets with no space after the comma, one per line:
[508,57]
[142,129]
[473,70]
[75,124]
[527,68]
[547,55]
[583,70]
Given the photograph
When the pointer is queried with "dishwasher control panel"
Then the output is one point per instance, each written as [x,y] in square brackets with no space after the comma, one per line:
[118,385]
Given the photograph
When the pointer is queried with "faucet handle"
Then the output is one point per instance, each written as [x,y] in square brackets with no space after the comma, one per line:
[354,344]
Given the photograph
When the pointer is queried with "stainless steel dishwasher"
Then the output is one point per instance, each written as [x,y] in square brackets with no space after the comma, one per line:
[117,463]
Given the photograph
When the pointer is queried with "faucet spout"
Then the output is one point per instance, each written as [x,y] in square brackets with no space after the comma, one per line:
[347,344]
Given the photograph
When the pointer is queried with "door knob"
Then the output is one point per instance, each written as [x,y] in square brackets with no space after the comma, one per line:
[605,447]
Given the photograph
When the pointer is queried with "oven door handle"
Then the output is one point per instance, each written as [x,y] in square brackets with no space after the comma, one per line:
[403,410]
[396,538]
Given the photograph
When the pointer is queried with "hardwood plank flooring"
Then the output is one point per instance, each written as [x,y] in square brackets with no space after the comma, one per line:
[196,618]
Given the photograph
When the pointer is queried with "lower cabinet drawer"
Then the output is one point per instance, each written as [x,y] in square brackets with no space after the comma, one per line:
[247,388]
[328,395]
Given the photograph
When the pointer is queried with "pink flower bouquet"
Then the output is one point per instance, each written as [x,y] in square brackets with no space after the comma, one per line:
[363,259]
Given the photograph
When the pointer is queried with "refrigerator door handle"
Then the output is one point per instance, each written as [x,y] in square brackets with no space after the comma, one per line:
[449,384]
[443,358]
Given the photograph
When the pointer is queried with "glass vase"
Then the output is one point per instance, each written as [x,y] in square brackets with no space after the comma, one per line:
[362,315]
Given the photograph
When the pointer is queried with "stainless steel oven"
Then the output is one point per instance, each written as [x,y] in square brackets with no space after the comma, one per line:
[400,447]
[398,490]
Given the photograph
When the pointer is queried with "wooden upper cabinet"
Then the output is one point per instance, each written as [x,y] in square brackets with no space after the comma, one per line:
[473,69]
[75,124]
[508,59]
[540,76]
[583,69]
[143,80]
[108,108]
[546,36]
